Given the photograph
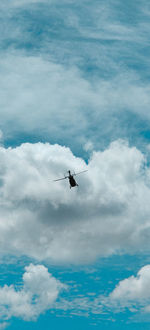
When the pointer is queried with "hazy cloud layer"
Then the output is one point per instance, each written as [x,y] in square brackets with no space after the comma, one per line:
[108,213]
[50,101]
[74,67]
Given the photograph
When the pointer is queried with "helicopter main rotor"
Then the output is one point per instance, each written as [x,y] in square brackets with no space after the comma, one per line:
[70,175]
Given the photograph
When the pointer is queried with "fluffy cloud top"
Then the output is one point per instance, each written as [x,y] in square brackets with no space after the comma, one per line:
[134,288]
[109,212]
[38,294]
[132,293]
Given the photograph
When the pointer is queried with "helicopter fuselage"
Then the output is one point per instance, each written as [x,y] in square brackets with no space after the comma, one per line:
[72,181]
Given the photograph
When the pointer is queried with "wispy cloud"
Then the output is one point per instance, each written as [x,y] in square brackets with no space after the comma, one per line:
[69,58]
[43,99]
[131,294]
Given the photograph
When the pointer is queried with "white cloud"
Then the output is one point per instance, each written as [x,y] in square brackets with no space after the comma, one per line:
[16,3]
[38,95]
[37,294]
[103,21]
[4,325]
[1,136]
[133,288]
[132,293]
[88,146]
[109,212]
[41,91]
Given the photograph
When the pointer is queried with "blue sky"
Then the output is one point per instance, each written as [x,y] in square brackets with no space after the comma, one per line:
[74,94]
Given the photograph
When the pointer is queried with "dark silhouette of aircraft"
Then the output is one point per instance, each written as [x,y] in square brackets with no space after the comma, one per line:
[70,176]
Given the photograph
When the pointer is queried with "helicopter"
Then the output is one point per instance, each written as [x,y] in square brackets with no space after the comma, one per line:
[70,176]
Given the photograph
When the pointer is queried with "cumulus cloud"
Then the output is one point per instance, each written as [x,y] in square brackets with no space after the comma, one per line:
[38,293]
[132,293]
[133,288]
[109,212]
